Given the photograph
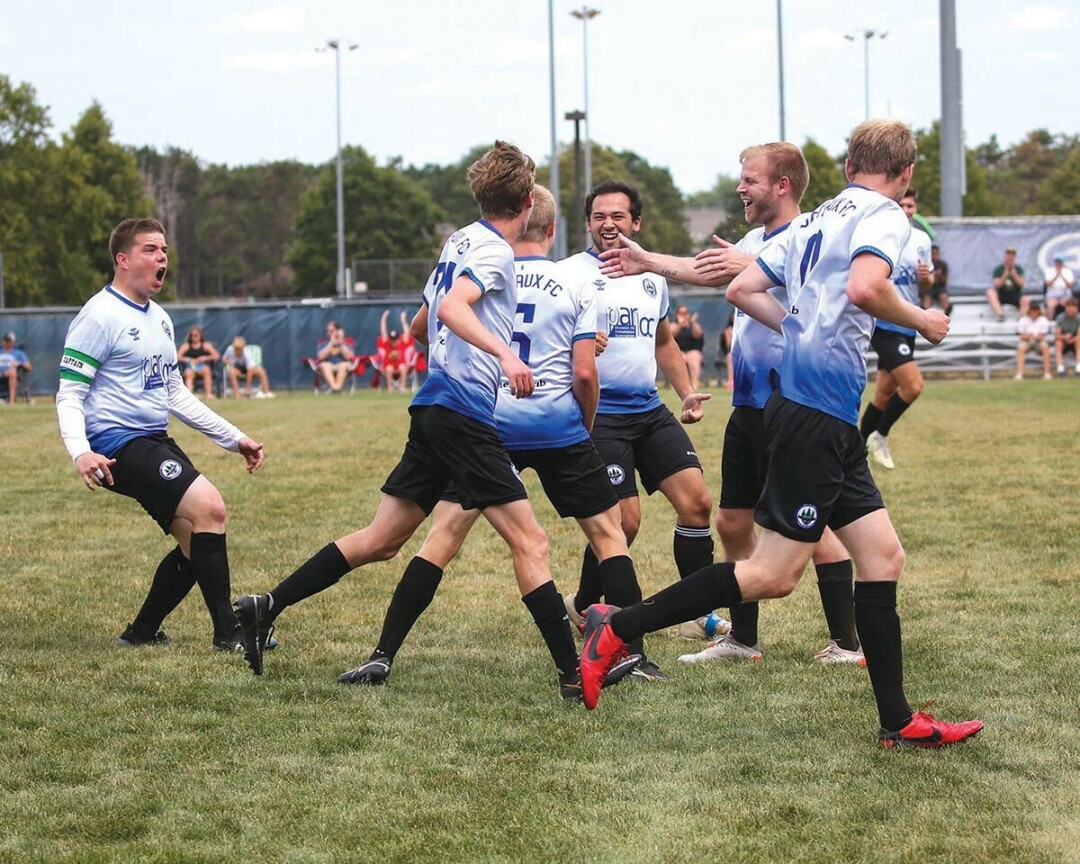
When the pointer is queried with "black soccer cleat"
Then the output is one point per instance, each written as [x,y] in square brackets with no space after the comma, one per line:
[130,639]
[371,673]
[648,672]
[235,643]
[253,613]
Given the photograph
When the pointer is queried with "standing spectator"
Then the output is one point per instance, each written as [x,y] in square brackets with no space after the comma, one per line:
[1066,327]
[238,360]
[197,357]
[391,354]
[408,350]
[691,341]
[1060,283]
[1008,287]
[334,357]
[1034,330]
[12,361]
[938,291]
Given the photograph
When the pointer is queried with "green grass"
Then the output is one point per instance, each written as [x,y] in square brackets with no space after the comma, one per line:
[468,754]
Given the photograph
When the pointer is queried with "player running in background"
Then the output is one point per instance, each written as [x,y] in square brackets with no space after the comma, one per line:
[119,382]
[772,182]
[899,381]
[837,269]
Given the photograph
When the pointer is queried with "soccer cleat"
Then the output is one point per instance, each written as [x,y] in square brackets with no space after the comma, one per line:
[130,639]
[570,685]
[253,613]
[923,730]
[724,648]
[878,445]
[371,673]
[601,651]
[833,654]
[708,626]
[648,672]
[571,612]
[235,643]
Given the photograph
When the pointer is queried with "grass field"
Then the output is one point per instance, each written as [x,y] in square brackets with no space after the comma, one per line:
[468,754]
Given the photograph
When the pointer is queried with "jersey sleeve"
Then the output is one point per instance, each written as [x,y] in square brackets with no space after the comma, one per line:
[486,264]
[772,258]
[85,348]
[585,299]
[883,231]
[665,302]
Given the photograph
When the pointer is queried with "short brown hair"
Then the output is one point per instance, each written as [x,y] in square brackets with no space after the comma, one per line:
[543,214]
[785,160]
[881,147]
[501,181]
[911,192]
[123,235]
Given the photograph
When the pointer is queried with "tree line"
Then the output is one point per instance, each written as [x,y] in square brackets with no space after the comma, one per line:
[269,230]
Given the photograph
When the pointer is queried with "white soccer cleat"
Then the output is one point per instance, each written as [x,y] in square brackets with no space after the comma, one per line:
[724,648]
[572,613]
[706,627]
[879,449]
[832,654]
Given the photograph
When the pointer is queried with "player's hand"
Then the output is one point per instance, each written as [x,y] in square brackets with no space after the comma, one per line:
[519,375]
[94,470]
[629,260]
[722,262]
[923,271]
[693,408]
[935,324]
[252,451]
[601,342]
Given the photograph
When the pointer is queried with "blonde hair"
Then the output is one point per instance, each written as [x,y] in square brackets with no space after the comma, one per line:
[543,215]
[881,147]
[785,160]
[501,181]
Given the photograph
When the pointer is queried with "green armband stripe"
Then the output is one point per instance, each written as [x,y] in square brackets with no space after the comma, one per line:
[66,375]
[78,355]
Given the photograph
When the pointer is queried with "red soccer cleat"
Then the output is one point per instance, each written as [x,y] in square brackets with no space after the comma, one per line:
[602,650]
[922,730]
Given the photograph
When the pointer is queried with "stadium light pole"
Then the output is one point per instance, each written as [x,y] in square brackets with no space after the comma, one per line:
[335,45]
[866,35]
[561,238]
[780,61]
[584,15]
[576,117]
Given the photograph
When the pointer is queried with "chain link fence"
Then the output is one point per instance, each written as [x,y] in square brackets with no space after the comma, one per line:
[387,277]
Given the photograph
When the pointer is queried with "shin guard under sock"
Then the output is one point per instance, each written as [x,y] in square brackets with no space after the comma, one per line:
[319,572]
[893,410]
[698,594]
[834,586]
[590,588]
[548,612]
[210,567]
[693,549]
[870,419]
[412,596]
[879,631]
[744,623]
[620,585]
[171,585]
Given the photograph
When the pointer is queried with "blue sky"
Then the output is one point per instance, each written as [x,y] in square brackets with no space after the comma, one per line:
[686,83]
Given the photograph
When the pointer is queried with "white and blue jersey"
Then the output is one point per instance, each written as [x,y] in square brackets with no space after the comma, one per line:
[825,334]
[628,309]
[461,377]
[554,310]
[906,274]
[755,348]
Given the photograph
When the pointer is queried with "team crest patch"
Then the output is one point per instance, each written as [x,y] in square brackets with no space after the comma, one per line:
[806,516]
[134,333]
[904,349]
[170,469]
[650,287]
[168,330]
[616,474]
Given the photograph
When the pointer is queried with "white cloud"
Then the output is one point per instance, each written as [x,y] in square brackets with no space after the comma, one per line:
[276,19]
[1035,19]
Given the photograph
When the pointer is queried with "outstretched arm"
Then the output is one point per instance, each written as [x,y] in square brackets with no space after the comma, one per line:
[870,288]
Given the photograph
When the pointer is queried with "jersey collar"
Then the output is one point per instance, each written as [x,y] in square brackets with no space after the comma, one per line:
[124,299]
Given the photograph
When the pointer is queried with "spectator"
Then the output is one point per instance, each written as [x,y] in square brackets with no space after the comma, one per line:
[1066,326]
[1034,330]
[197,357]
[391,353]
[727,338]
[335,357]
[691,341]
[1060,283]
[1008,287]
[937,292]
[12,361]
[408,348]
[238,361]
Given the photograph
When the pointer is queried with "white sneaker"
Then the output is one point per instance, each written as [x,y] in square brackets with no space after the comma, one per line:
[833,653]
[1019,376]
[706,627]
[879,449]
[260,395]
[724,648]
[572,613]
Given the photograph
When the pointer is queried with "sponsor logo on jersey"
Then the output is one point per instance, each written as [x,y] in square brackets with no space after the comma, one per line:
[806,516]
[170,469]
[168,330]
[616,474]
[155,370]
[628,322]
[649,286]
[134,333]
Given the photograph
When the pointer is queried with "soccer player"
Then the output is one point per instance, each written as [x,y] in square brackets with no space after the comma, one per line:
[471,300]
[772,182]
[634,431]
[548,432]
[119,382]
[899,381]
[836,269]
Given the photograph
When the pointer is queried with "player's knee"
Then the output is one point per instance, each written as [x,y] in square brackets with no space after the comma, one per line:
[697,508]
[911,391]
[892,564]
[630,527]
[733,527]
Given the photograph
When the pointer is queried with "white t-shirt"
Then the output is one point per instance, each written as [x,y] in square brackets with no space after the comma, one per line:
[1057,284]
[1033,328]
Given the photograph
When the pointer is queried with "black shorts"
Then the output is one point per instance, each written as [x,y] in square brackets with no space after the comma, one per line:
[155,472]
[446,446]
[817,473]
[742,472]
[893,349]
[653,443]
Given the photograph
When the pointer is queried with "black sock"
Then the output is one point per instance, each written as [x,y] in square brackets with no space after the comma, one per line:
[744,619]
[893,410]
[834,586]
[870,419]
[210,567]
[693,549]
[621,588]
[171,585]
[879,632]
[590,588]
[412,596]
[548,612]
[698,594]
[319,572]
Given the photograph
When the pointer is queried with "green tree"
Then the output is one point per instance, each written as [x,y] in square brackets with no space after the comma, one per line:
[978,200]
[448,186]
[172,179]
[826,175]
[1059,193]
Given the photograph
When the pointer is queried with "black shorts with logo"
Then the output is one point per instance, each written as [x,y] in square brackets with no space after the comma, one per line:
[652,444]
[446,446]
[817,473]
[893,349]
[742,471]
[155,472]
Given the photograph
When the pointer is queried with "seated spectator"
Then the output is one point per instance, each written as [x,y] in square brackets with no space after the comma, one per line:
[691,341]
[391,355]
[1066,327]
[1060,283]
[335,357]
[937,292]
[197,357]
[1034,330]
[1008,287]
[12,361]
[238,361]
